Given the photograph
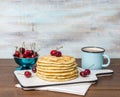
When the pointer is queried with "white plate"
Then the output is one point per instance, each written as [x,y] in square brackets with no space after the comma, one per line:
[35,81]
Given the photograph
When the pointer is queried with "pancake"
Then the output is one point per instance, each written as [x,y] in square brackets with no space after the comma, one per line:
[52,68]
[58,73]
[58,78]
[55,64]
[55,70]
[66,60]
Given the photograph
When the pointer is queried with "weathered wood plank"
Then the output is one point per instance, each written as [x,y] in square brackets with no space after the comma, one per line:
[51,23]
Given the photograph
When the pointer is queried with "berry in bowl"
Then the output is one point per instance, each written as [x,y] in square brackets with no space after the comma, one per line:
[25,58]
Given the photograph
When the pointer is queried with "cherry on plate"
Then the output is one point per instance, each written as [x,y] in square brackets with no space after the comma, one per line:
[87,71]
[34,69]
[83,74]
[27,74]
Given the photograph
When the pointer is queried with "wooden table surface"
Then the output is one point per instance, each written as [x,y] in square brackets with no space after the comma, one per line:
[108,86]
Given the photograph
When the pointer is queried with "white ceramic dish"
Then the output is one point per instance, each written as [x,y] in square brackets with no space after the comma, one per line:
[35,81]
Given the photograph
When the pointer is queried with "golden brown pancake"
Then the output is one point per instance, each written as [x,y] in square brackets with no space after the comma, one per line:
[66,60]
[58,78]
[55,70]
[58,73]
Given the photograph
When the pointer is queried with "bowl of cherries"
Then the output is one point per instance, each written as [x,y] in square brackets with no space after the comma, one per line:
[25,58]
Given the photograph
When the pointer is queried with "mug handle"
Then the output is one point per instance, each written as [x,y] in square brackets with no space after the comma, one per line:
[108,63]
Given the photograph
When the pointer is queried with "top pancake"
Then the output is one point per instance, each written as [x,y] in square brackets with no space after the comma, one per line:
[64,60]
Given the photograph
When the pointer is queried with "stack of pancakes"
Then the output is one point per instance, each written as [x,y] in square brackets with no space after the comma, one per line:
[52,68]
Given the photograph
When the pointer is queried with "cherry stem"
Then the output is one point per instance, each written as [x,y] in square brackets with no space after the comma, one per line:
[31,46]
[91,66]
[59,47]
[38,50]
[16,48]
[23,45]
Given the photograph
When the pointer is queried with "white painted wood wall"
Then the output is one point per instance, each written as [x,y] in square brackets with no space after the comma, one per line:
[52,23]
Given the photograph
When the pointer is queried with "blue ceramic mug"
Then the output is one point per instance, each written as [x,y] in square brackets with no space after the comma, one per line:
[93,58]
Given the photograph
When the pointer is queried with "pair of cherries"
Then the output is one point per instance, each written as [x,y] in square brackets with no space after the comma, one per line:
[85,73]
[56,52]
[28,74]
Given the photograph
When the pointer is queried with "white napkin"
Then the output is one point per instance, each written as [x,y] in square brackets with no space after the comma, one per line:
[78,89]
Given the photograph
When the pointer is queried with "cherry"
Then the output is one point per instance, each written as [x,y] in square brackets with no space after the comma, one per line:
[33,56]
[58,54]
[83,74]
[87,71]
[22,50]
[36,54]
[24,55]
[27,74]
[27,52]
[17,53]
[34,69]
[53,52]
[31,52]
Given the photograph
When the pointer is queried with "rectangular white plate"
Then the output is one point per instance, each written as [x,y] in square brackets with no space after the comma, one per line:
[35,81]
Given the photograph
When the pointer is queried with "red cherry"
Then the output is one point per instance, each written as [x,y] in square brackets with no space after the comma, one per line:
[31,52]
[17,53]
[27,52]
[58,54]
[27,74]
[22,50]
[53,52]
[83,74]
[34,69]
[24,55]
[87,71]
[33,56]
[35,53]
